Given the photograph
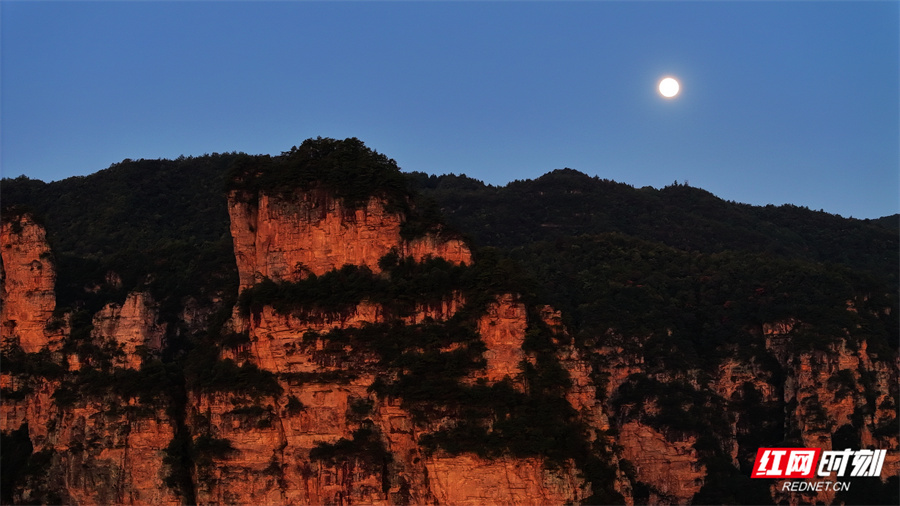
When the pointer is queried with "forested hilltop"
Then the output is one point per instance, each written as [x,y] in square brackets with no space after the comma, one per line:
[141,207]
[163,225]
[568,203]
[321,323]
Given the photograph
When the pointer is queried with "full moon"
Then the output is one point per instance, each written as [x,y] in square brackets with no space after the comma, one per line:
[669,87]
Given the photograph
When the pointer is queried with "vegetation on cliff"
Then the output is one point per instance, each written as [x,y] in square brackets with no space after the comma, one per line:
[675,276]
[402,285]
[700,305]
[343,169]
[346,169]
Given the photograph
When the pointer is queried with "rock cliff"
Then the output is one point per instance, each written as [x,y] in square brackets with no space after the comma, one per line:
[368,361]
[132,328]
[284,238]
[300,446]
[835,397]
[29,279]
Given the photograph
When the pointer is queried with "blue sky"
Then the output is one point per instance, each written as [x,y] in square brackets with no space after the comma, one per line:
[782,102]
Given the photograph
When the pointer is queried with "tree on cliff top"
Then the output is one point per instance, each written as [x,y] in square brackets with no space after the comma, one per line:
[347,168]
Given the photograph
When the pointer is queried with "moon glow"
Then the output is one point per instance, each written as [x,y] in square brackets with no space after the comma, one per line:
[669,87]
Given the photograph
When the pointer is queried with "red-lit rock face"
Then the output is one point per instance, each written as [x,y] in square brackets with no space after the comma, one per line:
[285,238]
[471,481]
[283,241]
[93,445]
[97,453]
[829,389]
[669,465]
[28,283]
[111,450]
[132,326]
[503,330]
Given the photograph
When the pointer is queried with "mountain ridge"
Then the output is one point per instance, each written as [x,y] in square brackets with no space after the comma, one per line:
[589,343]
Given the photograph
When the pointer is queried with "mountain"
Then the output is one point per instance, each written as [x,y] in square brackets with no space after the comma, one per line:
[318,327]
[566,203]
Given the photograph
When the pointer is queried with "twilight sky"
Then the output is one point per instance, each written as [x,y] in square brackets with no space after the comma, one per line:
[781,102]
